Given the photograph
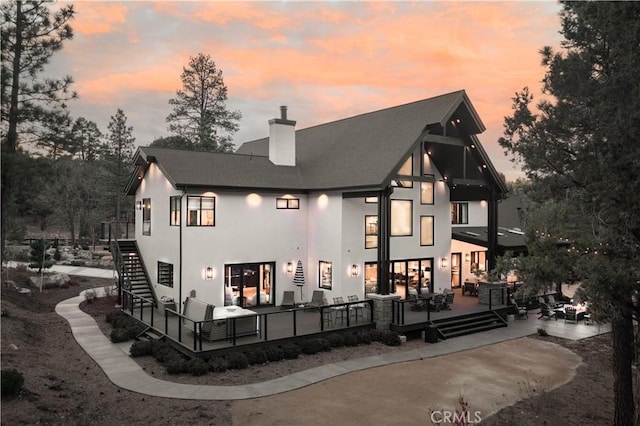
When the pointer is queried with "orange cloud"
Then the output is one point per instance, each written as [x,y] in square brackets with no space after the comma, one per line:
[99,17]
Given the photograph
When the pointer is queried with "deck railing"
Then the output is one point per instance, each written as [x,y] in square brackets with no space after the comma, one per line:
[173,327]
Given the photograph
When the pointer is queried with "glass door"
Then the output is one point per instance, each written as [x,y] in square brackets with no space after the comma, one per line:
[456,270]
[250,284]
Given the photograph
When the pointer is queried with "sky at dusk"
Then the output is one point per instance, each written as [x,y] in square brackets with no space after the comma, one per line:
[325,60]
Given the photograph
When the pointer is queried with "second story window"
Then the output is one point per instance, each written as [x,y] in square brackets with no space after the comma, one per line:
[146,216]
[370,232]
[459,213]
[201,211]
[175,207]
[287,203]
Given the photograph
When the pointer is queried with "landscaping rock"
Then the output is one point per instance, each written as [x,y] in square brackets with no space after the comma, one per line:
[50,280]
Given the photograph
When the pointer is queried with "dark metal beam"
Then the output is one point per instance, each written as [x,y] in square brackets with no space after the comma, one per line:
[444,140]
[384,231]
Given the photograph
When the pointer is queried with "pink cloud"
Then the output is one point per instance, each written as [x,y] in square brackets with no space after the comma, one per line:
[99,17]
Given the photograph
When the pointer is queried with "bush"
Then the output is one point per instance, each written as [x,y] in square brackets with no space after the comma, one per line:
[197,367]
[363,337]
[115,315]
[57,255]
[542,332]
[164,353]
[140,348]
[390,338]
[176,364]
[310,346]
[324,344]
[237,361]
[291,351]
[12,382]
[350,339]
[376,335]
[255,357]
[274,354]
[336,340]
[119,335]
[218,364]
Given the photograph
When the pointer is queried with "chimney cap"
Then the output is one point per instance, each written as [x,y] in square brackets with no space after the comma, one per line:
[283,112]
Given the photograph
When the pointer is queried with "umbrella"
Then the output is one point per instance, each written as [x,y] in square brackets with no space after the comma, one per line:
[298,278]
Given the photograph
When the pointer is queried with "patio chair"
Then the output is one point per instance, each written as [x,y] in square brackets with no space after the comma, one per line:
[448,299]
[356,308]
[416,303]
[288,300]
[553,303]
[570,315]
[587,318]
[520,311]
[339,311]
[437,303]
[317,299]
[545,312]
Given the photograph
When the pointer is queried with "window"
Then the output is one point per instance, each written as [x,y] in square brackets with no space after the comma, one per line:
[175,208]
[426,193]
[401,218]
[201,211]
[478,261]
[405,170]
[370,200]
[426,230]
[165,274]
[287,203]
[325,271]
[370,232]
[459,213]
[146,216]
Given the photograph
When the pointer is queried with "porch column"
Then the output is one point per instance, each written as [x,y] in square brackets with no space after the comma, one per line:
[382,309]
[384,230]
[492,225]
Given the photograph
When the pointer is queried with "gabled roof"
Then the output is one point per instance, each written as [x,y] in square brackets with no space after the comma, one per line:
[357,153]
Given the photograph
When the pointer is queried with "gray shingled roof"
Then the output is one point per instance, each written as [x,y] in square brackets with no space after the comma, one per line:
[358,152]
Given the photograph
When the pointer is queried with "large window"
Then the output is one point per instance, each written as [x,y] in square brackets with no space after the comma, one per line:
[165,274]
[249,284]
[426,193]
[175,208]
[370,232]
[201,211]
[146,216]
[426,230]
[459,213]
[401,218]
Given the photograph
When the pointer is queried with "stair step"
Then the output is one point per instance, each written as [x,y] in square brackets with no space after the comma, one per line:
[456,327]
[472,330]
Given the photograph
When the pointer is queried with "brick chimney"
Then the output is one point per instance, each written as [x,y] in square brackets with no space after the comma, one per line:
[282,140]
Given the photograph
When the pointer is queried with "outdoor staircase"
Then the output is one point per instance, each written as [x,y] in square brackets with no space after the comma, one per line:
[468,324]
[131,269]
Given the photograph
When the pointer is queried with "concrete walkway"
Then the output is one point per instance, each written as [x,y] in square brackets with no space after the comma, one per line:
[124,372]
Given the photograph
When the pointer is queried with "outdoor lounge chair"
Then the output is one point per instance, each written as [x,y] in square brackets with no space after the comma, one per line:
[553,303]
[417,304]
[288,300]
[317,299]
[520,311]
[195,311]
[571,315]
[545,312]
[437,303]
[448,299]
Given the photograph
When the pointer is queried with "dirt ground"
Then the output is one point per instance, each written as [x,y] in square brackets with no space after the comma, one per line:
[64,386]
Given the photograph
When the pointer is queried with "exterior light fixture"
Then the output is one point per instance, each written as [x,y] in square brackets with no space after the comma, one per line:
[208,273]
[290,268]
[467,257]
[138,205]
[444,262]
[355,270]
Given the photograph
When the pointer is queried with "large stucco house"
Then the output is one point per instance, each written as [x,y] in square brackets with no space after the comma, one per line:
[345,199]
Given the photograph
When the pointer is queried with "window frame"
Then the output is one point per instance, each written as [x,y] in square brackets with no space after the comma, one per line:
[174,220]
[289,203]
[433,196]
[458,210]
[410,210]
[433,230]
[367,244]
[200,210]
[165,277]
[146,216]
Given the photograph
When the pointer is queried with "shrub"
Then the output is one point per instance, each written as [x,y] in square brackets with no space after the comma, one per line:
[237,361]
[274,354]
[390,338]
[164,353]
[324,344]
[12,382]
[255,357]
[140,348]
[335,340]
[350,339]
[310,346]
[197,367]
[119,335]
[376,335]
[542,332]
[218,364]
[291,350]
[114,316]
[176,364]
[363,337]
[57,255]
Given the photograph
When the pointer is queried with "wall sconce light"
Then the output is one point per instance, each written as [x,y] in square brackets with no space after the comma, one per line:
[444,262]
[467,257]
[355,270]
[208,273]
[138,205]
[290,268]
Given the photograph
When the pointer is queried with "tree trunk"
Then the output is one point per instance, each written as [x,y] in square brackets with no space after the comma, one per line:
[622,343]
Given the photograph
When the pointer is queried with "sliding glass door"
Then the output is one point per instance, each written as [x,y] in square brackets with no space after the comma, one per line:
[249,284]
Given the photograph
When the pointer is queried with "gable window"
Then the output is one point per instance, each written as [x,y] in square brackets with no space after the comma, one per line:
[401,218]
[370,232]
[370,200]
[426,193]
[165,274]
[175,208]
[426,230]
[287,203]
[201,211]
[459,213]
[405,170]
[146,216]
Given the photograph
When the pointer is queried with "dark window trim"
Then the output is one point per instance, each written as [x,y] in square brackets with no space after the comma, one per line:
[146,216]
[458,213]
[290,203]
[367,234]
[165,274]
[410,234]
[201,197]
[171,210]
[433,231]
